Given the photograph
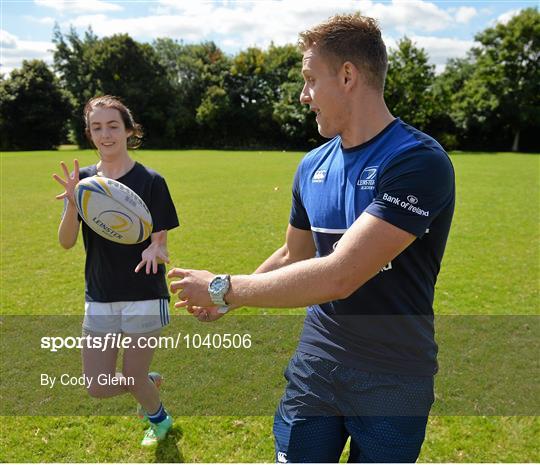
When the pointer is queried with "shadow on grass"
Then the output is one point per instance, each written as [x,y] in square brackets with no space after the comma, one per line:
[167,450]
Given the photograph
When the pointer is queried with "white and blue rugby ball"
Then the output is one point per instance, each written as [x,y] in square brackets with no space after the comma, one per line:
[113,210]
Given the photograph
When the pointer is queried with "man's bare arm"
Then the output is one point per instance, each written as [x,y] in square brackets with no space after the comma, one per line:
[368,245]
[298,246]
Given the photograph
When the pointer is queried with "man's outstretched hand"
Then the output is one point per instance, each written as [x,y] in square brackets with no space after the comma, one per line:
[192,290]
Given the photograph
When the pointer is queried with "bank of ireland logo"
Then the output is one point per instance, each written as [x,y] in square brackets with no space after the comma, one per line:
[412,199]
[282,457]
[367,178]
[319,176]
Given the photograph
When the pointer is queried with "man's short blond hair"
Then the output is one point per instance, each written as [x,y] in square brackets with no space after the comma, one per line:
[353,38]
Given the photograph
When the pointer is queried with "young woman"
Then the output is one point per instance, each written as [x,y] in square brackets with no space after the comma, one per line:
[125,291]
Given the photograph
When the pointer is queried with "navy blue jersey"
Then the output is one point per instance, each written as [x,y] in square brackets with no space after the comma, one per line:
[405,178]
[109,268]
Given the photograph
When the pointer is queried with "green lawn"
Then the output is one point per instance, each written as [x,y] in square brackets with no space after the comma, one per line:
[491,267]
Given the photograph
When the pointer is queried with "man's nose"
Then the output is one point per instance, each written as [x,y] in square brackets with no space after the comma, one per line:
[304,95]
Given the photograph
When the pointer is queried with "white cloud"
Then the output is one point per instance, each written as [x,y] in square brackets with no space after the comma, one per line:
[261,22]
[440,49]
[465,13]
[254,22]
[439,69]
[46,20]
[294,15]
[14,51]
[7,40]
[79,6]
[236,25]
[149,27]
[486,11]
[84,21]
[507,16]
[407,15]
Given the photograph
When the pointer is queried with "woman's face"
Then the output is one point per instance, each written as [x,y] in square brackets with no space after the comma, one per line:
[108,132]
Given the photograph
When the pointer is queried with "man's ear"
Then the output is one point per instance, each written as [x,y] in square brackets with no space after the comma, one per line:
[349,73]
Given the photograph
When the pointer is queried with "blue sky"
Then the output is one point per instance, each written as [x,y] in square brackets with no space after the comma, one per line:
[444,28]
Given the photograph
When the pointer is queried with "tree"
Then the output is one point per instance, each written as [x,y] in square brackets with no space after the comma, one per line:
[213,110]
[72,61]
[503,92]
[131,70]
[250,93]
[296,122]
[444,124]
[33,109]
[408,91]
[120,66]
[264,87]
[194,71]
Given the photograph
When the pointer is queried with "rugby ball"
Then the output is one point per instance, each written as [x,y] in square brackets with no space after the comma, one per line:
[113,210]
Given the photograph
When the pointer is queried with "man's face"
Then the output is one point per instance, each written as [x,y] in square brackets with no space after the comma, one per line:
[323,93]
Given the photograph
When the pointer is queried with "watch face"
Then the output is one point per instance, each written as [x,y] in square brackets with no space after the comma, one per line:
[217,285]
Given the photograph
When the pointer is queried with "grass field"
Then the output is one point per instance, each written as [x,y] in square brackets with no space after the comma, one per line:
[491,267]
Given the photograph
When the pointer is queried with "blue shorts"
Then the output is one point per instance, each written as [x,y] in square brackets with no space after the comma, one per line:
[385,415]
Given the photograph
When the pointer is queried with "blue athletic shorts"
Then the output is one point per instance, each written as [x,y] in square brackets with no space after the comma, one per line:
[385,415]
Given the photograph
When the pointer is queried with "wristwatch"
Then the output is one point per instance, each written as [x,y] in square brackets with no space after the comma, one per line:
[218,287]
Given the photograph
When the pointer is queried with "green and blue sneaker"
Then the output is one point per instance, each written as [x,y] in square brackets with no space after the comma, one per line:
[157,432]
[157,379]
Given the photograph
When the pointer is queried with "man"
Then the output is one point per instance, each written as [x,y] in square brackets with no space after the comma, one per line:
[371,212]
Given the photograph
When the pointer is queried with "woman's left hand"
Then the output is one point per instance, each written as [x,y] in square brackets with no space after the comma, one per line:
[153,255]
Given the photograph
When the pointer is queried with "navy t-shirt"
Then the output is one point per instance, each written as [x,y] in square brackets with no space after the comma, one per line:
[109,268]
[405,178]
